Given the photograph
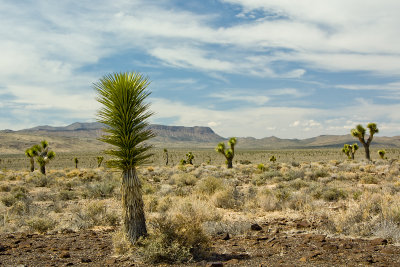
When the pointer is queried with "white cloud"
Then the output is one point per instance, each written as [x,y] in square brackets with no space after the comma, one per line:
[237,96]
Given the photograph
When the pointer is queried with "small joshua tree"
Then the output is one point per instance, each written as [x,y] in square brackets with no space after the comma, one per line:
[166,156]
[76,162]
[31,153]
[99,161]
[228,153]
[44,156]
[382,153]
[346,150]
[350,150]
[272,159]
[189,158]
[359,132]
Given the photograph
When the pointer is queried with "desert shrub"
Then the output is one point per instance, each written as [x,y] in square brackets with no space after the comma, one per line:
[65,195]
[282,194]
[245,162]
[209,185]
[319,173]
[103,189]
[44,196]
[39,180]
[150,203]
[174,239]
[369,179]
[267,200]
[121,244]
[185,179]
[227,199]
[298,184]
[8,200]
[89,176]
[96,211]
[19,208]
[164,204]
[333,194]
[41,224]
[293,174]
[5,188]
[148,188]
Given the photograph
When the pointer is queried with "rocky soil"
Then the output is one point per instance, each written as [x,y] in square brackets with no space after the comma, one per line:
[280,242]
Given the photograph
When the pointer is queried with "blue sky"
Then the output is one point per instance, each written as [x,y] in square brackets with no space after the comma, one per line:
[292,69]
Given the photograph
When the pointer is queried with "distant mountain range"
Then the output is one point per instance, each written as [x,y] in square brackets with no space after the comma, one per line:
[83,136]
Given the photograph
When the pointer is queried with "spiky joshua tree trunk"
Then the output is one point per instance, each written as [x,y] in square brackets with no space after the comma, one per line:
[125,114]
[228,153]
[360,131]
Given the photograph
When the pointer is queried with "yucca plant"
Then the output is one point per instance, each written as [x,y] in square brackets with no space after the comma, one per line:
[228,153]
[31,153]
[125,114]
[360,131]
[44,156]
[189,158]
[350,150]
[346,150]
[382,153]
[272,159]
[76,162]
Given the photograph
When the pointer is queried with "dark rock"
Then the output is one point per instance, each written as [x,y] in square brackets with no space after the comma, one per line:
[226,237]
[330,246]
[347,246]
[303,224]
[255,227]
[215,264]
[86,260]
[379,242]
[65,255]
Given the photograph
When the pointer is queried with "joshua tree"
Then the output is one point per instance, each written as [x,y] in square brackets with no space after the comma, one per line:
[228,153]
[99,161]
[76,162]
[32,153]
[166,156]
[125,114]
[44,156]
[359,132]
[350,150]
[272,158]
[346,150]
[382,153]
[189,158]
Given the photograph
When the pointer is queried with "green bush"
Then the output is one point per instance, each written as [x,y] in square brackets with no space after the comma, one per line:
[333,194]
[175,239]
[41,225]
[209,185]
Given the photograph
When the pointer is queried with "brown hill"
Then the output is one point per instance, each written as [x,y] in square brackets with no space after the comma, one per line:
[83,137]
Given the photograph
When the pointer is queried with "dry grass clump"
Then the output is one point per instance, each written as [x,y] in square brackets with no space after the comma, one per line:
[179,238]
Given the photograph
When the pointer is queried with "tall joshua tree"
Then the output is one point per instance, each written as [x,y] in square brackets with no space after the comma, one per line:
[31,153]
[44,156]
[228,153]
[360,131]
[125,114]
